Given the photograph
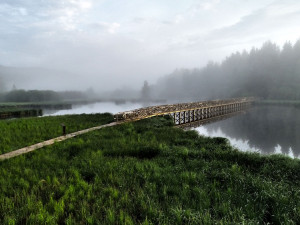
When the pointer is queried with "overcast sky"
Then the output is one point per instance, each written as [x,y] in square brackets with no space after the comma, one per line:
[125,42]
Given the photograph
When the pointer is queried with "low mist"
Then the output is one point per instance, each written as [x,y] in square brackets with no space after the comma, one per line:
[129,50]
[269,72]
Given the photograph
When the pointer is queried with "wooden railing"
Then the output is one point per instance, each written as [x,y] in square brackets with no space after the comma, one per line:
[183,113]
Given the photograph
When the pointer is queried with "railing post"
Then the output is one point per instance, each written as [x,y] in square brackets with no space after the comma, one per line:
[63,129]
[193,115]
[174,115]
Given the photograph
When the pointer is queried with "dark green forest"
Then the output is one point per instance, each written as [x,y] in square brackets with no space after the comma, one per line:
[270,72]
[40,96]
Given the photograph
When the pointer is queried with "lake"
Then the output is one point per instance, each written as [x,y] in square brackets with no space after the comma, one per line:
[99,107]
[263,129]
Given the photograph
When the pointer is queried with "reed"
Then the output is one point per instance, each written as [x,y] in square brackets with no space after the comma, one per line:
[148,172]
[15,134]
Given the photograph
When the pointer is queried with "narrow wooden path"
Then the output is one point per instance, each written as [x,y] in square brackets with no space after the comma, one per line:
[34,147]
[188,112]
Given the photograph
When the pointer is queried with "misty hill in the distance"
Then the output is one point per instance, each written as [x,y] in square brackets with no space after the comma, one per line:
[37,78]
[270,72]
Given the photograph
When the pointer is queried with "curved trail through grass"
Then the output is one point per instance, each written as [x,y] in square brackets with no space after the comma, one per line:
[52,141]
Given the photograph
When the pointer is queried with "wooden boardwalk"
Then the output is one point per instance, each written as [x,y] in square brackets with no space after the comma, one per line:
[51,141]
[183,113]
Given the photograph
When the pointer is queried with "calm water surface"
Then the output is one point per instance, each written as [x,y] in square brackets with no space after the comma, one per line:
[263,129]
[99,107]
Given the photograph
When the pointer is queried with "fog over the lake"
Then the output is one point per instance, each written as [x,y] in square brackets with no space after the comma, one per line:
[111,44]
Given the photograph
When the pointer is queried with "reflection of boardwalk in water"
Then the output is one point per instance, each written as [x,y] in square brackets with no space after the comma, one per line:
[208,121]
[264,129]
[185,113]
[270,129]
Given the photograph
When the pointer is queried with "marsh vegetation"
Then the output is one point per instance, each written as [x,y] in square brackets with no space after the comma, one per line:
[23,132]
[148,172]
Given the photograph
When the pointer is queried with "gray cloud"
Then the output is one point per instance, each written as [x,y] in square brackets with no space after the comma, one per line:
[113,42]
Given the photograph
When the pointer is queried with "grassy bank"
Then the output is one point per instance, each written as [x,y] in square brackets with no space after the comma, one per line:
[6,113]
[15,134]
[36,105]
[148,172]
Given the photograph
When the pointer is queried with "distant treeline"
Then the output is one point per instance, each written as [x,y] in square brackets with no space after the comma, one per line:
[270,72]
[40,96]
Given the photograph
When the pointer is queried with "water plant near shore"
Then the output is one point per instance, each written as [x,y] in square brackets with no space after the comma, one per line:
[148,172]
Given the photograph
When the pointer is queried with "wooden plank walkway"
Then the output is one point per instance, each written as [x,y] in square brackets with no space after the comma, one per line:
[52,141]
[188,112]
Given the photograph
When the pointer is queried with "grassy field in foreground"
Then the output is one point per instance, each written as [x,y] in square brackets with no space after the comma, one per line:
[148,172]
[18,133]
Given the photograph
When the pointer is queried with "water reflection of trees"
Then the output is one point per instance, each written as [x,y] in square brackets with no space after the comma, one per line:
[265,127]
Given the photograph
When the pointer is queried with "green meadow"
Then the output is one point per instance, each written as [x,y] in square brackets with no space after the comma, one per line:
[146,172]
[18,133]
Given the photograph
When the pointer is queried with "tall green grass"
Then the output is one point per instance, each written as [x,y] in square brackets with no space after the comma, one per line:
[148,172]
[18,133]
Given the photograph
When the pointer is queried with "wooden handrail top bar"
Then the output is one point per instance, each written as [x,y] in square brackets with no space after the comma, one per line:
[151,111]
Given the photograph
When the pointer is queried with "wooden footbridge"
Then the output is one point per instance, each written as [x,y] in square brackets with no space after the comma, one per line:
[184,113]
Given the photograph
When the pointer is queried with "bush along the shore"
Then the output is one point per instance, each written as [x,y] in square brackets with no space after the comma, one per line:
[7,113]
[148,172]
